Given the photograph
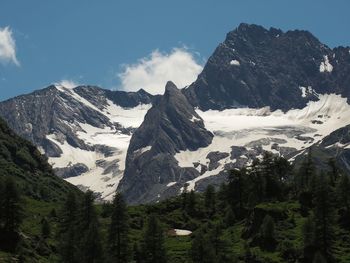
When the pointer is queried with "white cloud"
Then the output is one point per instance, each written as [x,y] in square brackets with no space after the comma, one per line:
[151,73]
[7,47]
[67,83]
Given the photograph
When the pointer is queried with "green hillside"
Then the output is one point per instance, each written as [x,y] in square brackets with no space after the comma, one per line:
[267,212]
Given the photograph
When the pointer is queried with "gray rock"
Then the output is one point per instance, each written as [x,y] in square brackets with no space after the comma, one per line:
[170,126]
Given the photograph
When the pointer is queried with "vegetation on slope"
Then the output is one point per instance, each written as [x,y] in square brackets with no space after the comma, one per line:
[267,212]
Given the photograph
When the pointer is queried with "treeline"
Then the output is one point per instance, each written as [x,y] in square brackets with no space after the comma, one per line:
[267,212]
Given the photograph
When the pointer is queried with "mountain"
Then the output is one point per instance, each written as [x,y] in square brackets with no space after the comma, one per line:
[21,160]
[261,90]
[84,131]
[170,126]
[255,67]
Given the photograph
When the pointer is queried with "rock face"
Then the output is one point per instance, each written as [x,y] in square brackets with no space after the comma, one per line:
[256,67]
[84,131]
[170,126]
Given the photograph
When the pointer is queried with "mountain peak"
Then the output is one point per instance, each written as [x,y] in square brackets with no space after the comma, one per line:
[170,86]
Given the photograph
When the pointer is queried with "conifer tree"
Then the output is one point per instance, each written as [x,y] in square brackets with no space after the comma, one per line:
[90,249]
[191,203]
[324,215]
[210,200]
[68,234]
[118,240]
[319,258]
[45,228]
[343,192]
[11,213]
[309,237]
[268,228]
[153,250]
[229,218]
[202,250]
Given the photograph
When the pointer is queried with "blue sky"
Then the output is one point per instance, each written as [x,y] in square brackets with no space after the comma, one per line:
[113,43]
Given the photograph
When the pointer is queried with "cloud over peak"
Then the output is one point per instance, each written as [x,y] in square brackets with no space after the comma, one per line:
[7,47]
[152,73]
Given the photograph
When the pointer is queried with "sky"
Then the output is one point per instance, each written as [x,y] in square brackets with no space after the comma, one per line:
[128,45]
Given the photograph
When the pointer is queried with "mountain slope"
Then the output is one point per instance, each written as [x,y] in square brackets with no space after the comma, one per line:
[83,131]
[255,67]
[22,161]
[171,125]
[261,90]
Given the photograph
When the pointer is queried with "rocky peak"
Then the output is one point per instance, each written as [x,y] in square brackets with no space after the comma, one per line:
[170,126]
[259,67]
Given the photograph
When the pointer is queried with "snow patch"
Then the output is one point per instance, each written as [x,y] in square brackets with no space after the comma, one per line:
[182,232]
[305,91]
[325,65]
[194,119]
[235,62]
[171,184]
[241,127]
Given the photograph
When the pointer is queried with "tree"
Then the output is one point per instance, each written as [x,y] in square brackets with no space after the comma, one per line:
[210,200]
[309,237]
[236,188]
[343,191]
[229,218]
[118,240]
[90,249]
[324,215]
[12,214]
[91,244]
[319,258]
[191,203]
[306,173]
[267,233]
[201,249]
[45,228]
[68,234]
[87,212]
[153,250]
[343,199]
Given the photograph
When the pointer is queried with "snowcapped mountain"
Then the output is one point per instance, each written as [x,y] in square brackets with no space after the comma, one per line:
[261,90]
[85,131]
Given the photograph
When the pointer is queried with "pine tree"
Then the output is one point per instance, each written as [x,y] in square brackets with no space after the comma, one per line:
[153,250]
[306,172]
[118,240]
[202,250]
[334,173]
[68,234]
[343,192]
[87,212]
[45,228]
[236,188]
[309,237]
[319,258]
[191,203]
[267,232]
[343,200]
[90,249]
[210,200]
[12,214]
[91,244]
[229,218]
[324,215]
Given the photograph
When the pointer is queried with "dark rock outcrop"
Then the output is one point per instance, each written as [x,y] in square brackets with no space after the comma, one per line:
[170,126]
[257,67]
